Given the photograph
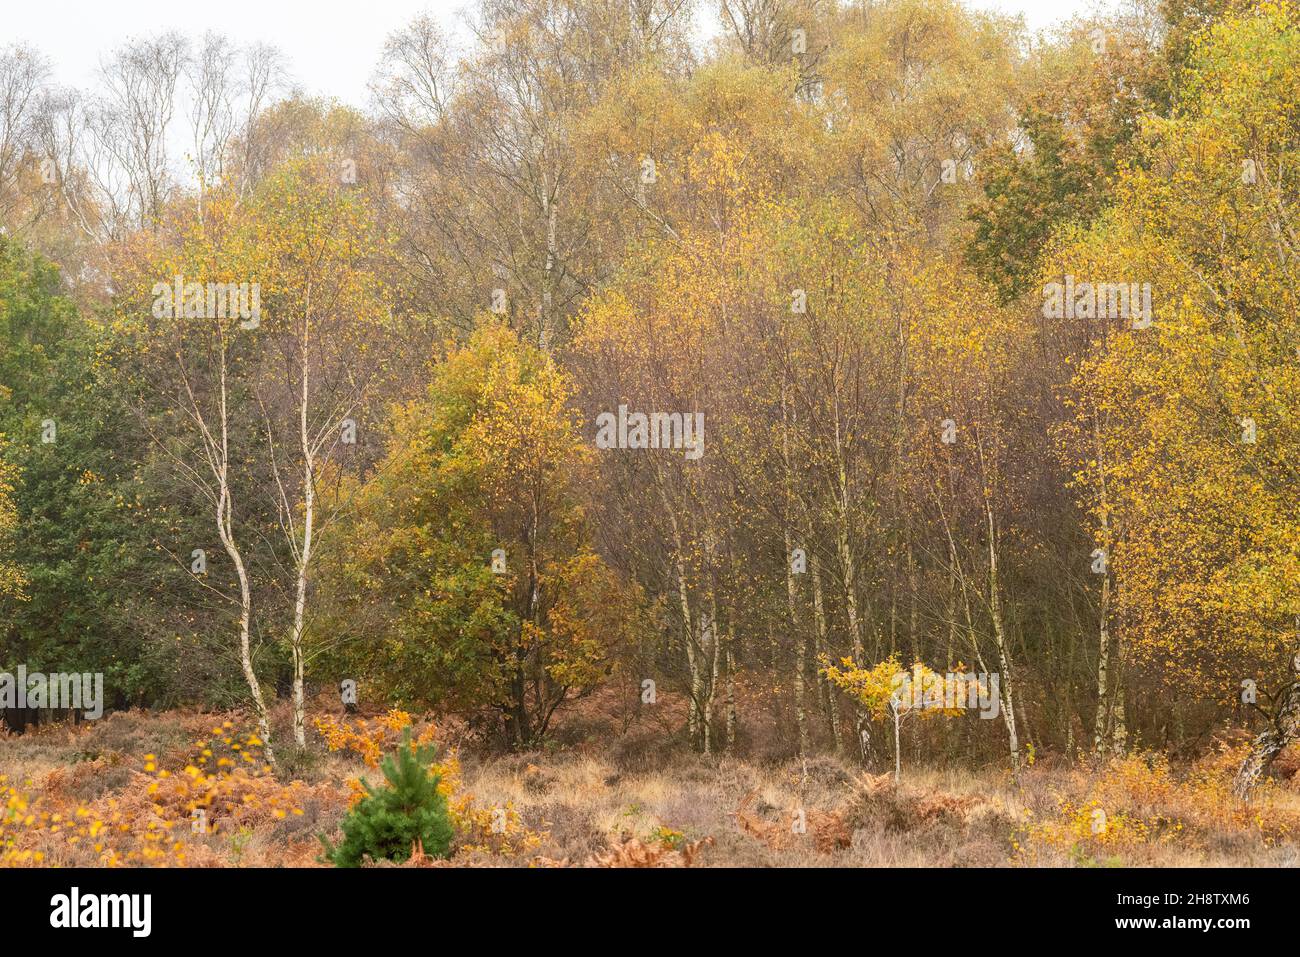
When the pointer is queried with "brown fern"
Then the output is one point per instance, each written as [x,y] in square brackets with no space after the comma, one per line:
[633,852]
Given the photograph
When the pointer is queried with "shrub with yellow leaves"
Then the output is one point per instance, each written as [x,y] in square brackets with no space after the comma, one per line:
[16,816]
[1137,801]
[163,817]
[370,737]
[886,690]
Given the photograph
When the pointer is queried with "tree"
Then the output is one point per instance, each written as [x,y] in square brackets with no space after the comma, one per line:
[1025,200]
[1194,410]
[316,246]
[886,690]
[12,579]
[501,207]
[1080,107]
[94,595]
[190,310]
[390,823]
[467,556]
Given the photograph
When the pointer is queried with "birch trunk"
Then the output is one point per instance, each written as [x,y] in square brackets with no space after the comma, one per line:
[801,650]
[1102,720]
[731,686]
[225,531]
[791,592]
[1284,729]
[898,749]
[688,629]
[220,461]
[1105,710]
[1000,638]
[715,645]
[304,560]
[822,649]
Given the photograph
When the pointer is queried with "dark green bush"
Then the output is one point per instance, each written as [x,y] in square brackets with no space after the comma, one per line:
[388,821]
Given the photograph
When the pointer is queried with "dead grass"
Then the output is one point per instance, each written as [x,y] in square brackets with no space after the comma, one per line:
[651,804]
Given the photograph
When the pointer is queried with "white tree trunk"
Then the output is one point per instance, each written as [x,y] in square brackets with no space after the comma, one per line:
[1284,730]
[822,649]
[1000,638]
[219,459]
[304,560]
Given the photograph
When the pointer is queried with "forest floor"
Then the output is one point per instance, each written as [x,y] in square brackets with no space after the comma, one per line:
[128,790]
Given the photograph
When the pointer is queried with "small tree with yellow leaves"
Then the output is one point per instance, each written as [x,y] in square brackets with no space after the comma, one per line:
[886,690]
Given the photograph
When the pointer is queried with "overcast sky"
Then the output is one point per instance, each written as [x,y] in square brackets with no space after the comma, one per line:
[332,45]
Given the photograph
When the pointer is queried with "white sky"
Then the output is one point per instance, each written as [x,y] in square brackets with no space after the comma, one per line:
[332,46]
